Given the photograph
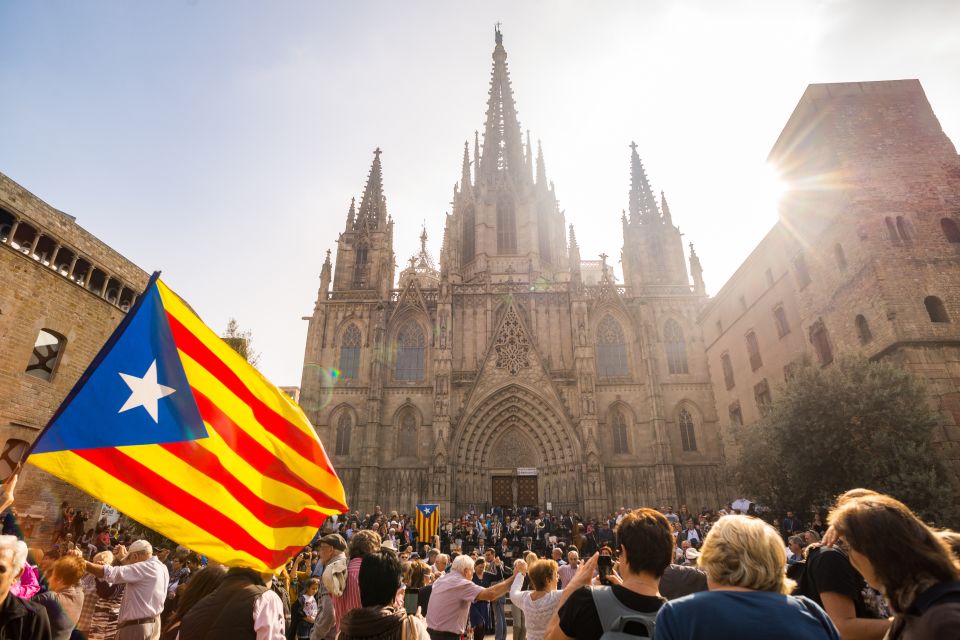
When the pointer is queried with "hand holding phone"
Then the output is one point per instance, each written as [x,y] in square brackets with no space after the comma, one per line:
[604,567]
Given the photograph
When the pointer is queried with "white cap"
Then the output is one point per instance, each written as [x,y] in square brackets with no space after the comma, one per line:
[140,545]
[692,554]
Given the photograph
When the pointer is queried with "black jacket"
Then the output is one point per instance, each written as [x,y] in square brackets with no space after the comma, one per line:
[22,620]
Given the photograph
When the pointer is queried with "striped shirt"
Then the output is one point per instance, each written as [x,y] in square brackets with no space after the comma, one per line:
[351,592]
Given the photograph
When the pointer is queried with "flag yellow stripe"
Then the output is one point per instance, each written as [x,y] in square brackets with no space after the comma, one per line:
[104,487]
[240,413]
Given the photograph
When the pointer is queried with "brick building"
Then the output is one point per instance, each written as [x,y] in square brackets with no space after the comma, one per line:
[864,258]
[62,292]
[515,372]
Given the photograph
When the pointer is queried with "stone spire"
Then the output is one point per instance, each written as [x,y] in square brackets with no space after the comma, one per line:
[574,252]
[476,157]
[465,170]
[697,272]
[351,214]
[667,219]
[325,273]
[541,167]
[502,138]
[528,158]
[373,205]
[643,206]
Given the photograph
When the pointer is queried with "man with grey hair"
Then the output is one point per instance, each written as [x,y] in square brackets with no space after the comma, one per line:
[147,581]
[451,597]
[18,618]
[440,565]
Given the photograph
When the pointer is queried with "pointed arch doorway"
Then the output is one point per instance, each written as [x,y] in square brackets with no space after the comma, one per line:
[514,478]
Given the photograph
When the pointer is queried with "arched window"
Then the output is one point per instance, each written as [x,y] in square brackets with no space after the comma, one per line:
[344,427]
[780,317]
[950,230]
[46,354]
[13,450]
[863,329]
[821,342]
[506,226]
[727,371]
[753,350]
[688,435]
[410,345]
[350,352]
[469,234]
[892,230]
[407,436]
[611,350]
[360,266]
[840,257]
[935,309]
[618,428]
[903,228]
[675,346]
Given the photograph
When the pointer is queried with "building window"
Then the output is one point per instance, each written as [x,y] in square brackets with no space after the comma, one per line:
[821,342]
[506,226]
[743,303]
[350,353]
[863,329]
[840,257]
[688,436]
[407,437]
[803,274]
[410,346]
[935,309]
[736,415]
[619,429]
[761,394]
[611,349]
[675,346]
[892,230]
[780,317]
[360,267]
[790,370]
[727,370]
[950,230]
[469,234]
[719,327]
[344,427]
[903,228]
[46,354]
[753,350]
[769,277]
[13,450]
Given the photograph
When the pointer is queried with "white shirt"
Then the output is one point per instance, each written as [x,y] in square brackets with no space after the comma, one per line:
[147,583]
[537,613]
[268,616]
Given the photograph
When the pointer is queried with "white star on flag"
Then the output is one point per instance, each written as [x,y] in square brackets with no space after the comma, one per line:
[145,392]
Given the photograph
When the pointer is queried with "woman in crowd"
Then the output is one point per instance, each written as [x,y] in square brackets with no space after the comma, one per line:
[906,560]
[420,577]
[378,617]
[538,605]
[745,562]
[205,582]
[64,600]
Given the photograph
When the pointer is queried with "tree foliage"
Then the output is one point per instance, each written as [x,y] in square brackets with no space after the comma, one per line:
[854,424]
[241,341]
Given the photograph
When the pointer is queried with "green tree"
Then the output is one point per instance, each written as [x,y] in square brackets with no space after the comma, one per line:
[241,341]
[854,424]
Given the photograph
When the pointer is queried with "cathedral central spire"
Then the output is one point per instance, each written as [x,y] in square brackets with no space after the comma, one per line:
[643,205]
[502,137]
[372,206]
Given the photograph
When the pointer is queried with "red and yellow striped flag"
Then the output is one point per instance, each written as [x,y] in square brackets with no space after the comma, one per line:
[428,521]
[175,429]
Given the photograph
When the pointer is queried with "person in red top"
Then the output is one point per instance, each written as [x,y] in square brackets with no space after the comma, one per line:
[362,544]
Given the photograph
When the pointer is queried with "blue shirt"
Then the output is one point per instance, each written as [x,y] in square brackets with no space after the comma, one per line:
[745,615]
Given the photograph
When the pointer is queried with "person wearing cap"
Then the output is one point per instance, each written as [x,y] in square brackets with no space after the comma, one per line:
[690,557]
[332,582]
[147,581]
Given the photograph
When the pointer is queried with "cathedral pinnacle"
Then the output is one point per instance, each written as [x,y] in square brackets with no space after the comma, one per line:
[465,170]
[541,167]
[667,219]
[373,205]
[502,137]
[643,205]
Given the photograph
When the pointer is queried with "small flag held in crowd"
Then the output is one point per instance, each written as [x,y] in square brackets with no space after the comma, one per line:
[428,522]
[179,432]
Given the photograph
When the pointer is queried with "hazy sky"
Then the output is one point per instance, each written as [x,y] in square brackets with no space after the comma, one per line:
[221,141]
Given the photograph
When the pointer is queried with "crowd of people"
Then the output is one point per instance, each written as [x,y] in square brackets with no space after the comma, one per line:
[868,569]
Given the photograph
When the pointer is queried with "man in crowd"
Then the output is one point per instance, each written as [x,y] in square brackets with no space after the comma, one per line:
[691,534]
[147,581]
[243,606]
[362,544]
[496,571]
[19,619]
[451,598]
[332,583]
[789,524]
[565,573]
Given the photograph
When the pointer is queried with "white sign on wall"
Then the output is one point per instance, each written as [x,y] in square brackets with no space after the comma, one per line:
[526,471]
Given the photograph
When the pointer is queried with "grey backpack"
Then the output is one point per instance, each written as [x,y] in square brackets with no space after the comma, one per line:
[615,616]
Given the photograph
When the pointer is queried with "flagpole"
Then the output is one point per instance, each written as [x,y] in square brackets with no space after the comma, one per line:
[104,351]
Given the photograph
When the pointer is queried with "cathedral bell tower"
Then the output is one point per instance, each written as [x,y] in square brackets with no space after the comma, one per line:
[505,225]
[652,246]
[365,259]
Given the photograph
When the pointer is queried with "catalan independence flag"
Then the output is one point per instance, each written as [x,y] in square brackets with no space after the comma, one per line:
[428,522]
[176,430]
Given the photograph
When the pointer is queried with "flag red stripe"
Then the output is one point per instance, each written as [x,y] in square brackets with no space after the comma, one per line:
[258,456]
[270,420]
[186,505]
[269,514]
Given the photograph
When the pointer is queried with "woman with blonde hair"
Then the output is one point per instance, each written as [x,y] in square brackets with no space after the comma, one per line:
[906,560]
[64,601]
[745,563]
[538,605]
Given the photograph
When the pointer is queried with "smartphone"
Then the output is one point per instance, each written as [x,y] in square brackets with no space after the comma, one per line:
[604,568]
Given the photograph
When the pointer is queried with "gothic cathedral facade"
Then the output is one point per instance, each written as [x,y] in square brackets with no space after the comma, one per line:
[513,373]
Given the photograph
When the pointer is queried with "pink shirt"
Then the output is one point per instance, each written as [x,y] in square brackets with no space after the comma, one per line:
[450,600]
[351,592]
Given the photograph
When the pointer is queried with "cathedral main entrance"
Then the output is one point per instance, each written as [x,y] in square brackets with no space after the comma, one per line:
[510,491]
